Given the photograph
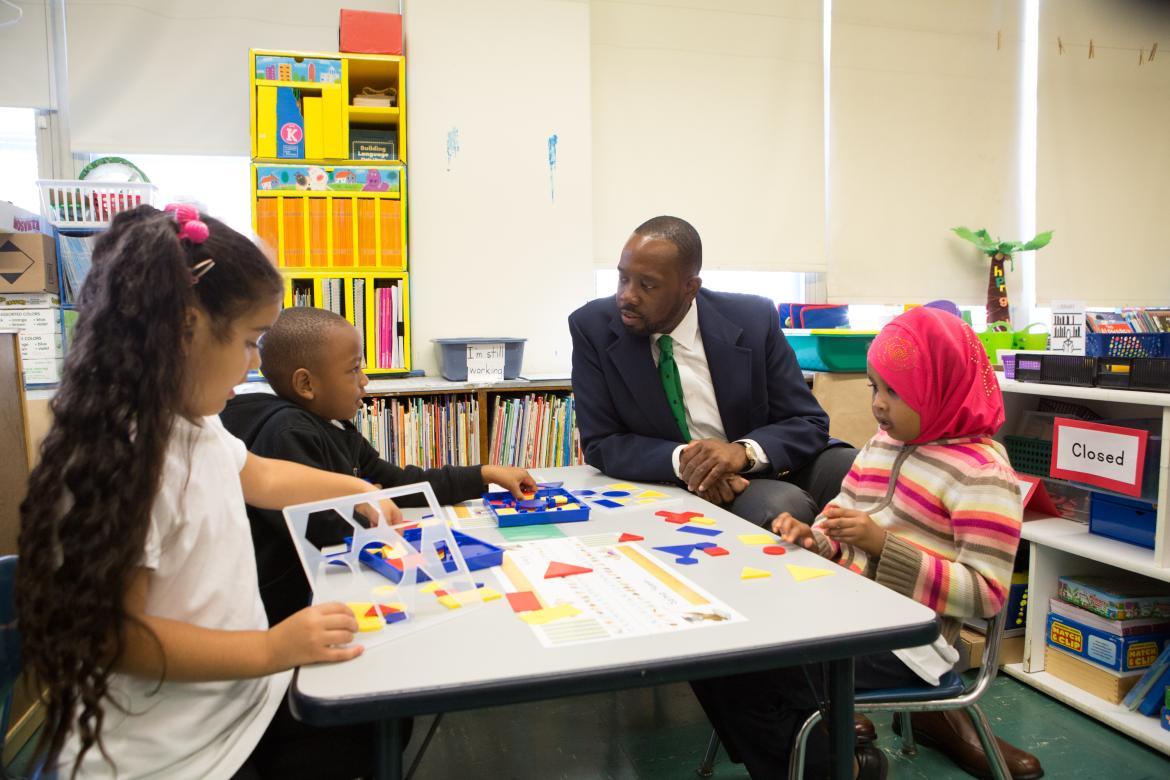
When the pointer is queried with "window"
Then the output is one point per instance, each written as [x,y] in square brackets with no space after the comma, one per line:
[780,286]
[217,185]
[18,158]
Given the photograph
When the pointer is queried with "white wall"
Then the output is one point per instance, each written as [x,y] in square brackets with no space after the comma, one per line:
[494,250]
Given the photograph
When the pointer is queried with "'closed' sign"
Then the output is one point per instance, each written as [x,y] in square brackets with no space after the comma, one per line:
[1108,456]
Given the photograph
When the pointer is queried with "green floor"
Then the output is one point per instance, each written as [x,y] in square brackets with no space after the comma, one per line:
[661,733]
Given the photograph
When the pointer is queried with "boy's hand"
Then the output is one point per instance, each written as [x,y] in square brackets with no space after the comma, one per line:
[854,527]
[515,480]
[311,636]
[794,531]
[390,511]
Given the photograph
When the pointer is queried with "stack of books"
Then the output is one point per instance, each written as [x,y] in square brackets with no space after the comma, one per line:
[537,430]
[1103,633]
[1130,320]
[429,431]
[76,258]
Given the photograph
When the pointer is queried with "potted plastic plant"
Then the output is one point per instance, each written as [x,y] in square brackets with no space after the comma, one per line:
[1000,253]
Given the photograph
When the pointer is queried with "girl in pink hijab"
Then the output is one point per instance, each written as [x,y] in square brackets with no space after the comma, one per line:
[931,509]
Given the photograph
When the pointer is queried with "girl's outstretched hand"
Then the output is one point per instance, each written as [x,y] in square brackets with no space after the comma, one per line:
[313,635]
[793,531]
[854,527]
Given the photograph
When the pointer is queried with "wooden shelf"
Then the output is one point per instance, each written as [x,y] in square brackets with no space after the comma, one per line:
[1084,393]
[1073,537]
[1132,724]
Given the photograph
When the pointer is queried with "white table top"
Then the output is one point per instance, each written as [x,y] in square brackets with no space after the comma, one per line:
[488,656]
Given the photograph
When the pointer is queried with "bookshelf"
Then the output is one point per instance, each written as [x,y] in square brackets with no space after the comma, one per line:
[1061,546]
[468,434]
[329,188]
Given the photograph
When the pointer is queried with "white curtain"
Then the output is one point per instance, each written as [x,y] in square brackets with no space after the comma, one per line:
[1103,172]
[711,111]
[924,107]
[24,57]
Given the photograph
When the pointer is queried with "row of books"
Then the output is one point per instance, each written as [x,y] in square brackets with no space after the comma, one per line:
[388,327]
[1109,636]
[1129,320]
[426,431]
[76,257]
[537,430]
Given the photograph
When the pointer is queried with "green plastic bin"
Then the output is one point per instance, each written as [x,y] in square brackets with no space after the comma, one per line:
[831,350]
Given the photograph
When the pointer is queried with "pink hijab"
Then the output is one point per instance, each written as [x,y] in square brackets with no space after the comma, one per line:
[935,363]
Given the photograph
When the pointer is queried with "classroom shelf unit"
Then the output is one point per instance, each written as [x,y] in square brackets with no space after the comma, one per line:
[329,194]
[458,422]
[1061,546]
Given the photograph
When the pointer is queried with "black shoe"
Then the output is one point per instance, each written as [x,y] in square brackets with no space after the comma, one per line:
[871,763]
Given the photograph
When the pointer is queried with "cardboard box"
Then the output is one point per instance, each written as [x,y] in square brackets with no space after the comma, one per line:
[1116,598]
[30,320]
[30,301]
[370,32]
[42,372]
[40,346]
[1089,677]
[1120,654]
[971,646]
[28,263]
[1011,650]
[846,399]
[14,219]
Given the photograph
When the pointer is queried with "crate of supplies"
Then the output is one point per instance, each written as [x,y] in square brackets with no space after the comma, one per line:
[831,350]
[1127,345]
[1029,455]
[1151,374]
[91,204]
[1056,369]
[547,504]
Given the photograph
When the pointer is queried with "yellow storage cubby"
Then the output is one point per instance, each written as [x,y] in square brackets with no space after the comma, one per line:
[332,216]
[355,296]
[327,85]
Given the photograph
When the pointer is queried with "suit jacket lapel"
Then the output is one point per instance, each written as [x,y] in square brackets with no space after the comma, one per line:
[730,366]
[631,355]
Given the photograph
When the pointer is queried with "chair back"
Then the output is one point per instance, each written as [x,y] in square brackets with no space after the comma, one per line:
[989,667]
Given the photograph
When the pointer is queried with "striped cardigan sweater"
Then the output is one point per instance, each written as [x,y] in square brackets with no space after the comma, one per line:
[952,511]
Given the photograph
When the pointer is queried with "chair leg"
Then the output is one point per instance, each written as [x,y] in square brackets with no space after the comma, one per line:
[995,759]
[707,767]
[909,746]
[796,757]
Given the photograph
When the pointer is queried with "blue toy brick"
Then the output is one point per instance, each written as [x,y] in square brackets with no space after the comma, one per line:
[691,529]
[705,545]
[605,502]
[680,550]
[616,493]
[686,561]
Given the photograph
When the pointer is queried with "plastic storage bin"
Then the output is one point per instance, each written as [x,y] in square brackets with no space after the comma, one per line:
[1054,369]
[1151,374]
[1127,345]
[91,204]
[453,356]
[831,350]
[1124,519]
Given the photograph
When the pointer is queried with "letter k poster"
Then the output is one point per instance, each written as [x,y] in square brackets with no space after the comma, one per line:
[1108,456]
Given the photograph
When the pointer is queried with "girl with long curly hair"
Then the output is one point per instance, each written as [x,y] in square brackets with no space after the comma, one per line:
[136,592]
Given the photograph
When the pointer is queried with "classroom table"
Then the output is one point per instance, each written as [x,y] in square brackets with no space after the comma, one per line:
[487,657]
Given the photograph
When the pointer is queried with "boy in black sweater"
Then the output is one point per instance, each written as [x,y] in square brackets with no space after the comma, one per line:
[312,360]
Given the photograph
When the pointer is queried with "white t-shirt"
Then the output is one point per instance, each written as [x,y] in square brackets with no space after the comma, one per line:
[199,548]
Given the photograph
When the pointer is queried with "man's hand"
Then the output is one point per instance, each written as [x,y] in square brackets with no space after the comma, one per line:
[704,462]
[854,527]
[515,480]
[724,490]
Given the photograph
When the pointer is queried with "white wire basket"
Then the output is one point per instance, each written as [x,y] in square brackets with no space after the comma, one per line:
[90,204]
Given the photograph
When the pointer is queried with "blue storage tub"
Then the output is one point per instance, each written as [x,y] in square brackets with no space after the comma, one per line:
[1127,345]
[453,356]
[831,350]
[1123,519]
[510,512]
[477,554]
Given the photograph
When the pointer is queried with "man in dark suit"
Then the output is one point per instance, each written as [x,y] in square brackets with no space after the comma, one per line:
[674,382]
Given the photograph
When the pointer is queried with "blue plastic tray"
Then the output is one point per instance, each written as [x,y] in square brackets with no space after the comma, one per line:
[478,555]
[504,500]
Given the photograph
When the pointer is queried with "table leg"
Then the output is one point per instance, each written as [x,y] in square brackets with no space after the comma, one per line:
[388,750]
[841,717]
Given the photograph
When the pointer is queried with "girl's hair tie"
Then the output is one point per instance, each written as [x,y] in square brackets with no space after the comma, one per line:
[191,227]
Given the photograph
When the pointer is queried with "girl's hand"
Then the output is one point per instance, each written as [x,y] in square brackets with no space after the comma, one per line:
[313,635]
[793,531]
[515,480]
[854,527]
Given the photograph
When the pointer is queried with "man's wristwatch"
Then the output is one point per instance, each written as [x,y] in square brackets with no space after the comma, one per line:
[751,458]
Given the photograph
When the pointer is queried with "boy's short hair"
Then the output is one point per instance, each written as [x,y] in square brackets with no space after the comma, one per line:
[294,341]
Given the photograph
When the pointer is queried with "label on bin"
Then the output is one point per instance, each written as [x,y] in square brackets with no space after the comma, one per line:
[485,362]
[1108,456]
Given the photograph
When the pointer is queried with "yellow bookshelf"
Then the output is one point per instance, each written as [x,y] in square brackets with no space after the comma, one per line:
[357,302]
